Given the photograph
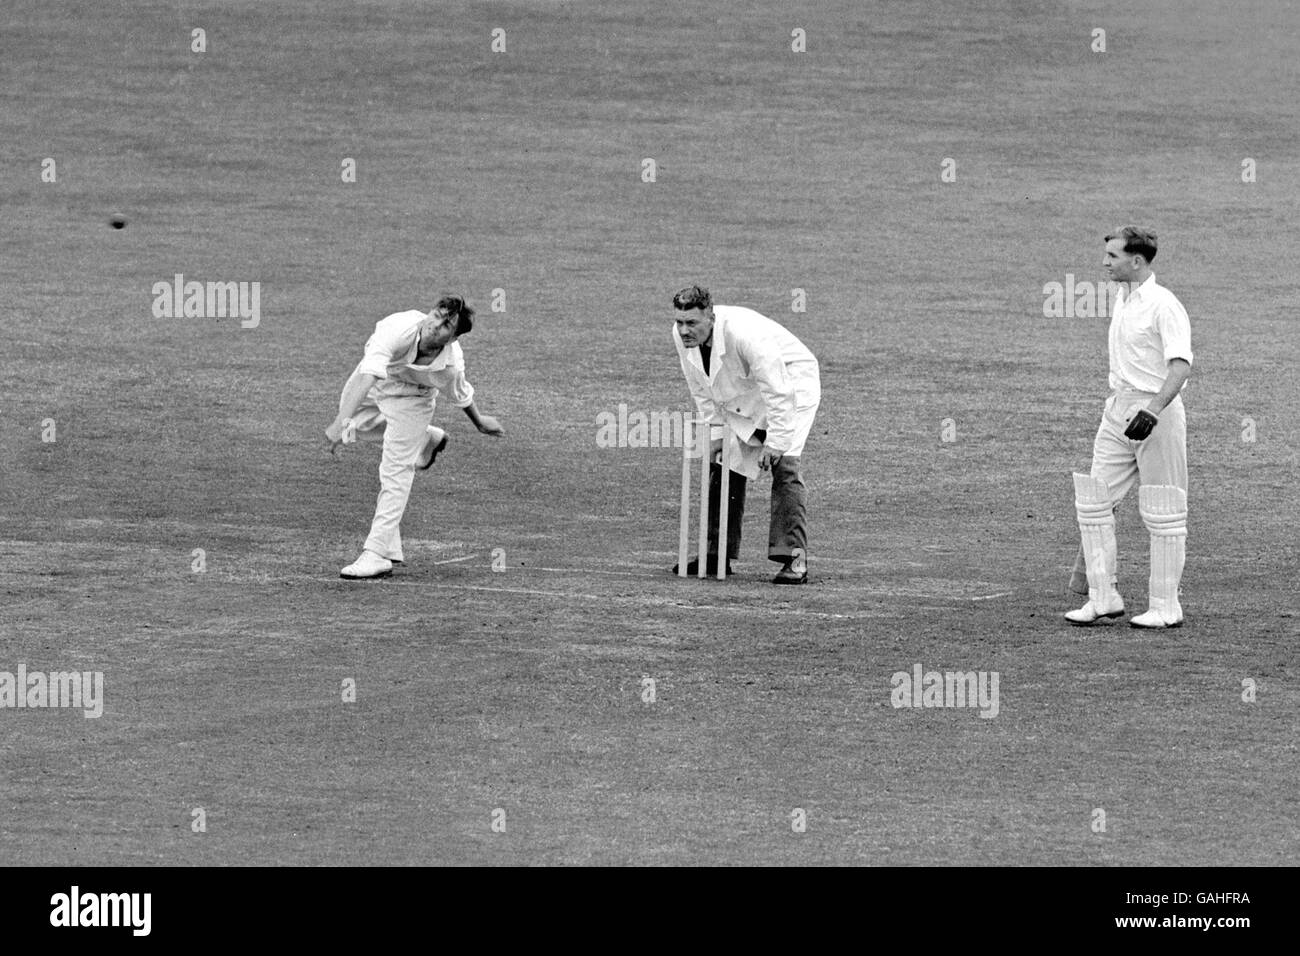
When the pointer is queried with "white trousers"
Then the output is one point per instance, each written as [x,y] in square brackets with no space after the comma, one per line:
[1160,459]
[399,414]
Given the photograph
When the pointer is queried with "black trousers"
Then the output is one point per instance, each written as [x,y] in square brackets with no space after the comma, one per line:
[788,527]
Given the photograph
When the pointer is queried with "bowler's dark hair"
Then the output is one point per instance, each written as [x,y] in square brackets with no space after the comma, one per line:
[455,306]
[692,297]
[1137,241]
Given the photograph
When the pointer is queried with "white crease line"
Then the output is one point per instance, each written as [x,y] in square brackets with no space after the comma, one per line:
[454,560]
[619,599]
[630,574]
[654,569]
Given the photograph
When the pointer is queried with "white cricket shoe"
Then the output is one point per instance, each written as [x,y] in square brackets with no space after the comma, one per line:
[1096,613]
[1156,620]
[435,443]
[369,565]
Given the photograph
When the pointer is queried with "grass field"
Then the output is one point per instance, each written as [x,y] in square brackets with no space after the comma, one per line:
[521,690]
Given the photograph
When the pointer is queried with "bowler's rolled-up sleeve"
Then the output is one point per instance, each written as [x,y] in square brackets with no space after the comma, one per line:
[457,388]
[382,349]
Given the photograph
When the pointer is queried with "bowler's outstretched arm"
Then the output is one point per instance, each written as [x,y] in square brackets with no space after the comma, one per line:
[353,393]
[484,423]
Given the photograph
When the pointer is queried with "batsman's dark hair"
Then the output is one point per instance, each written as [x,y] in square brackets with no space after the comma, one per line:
[454,305]
[1137,241]
[692,297]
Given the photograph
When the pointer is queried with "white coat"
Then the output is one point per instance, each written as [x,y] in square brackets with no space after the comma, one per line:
[760,377]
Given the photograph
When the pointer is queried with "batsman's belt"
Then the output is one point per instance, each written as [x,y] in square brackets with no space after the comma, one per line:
[1123,403]
[1122,395]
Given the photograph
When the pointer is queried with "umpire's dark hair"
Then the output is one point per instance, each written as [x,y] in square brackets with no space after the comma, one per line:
[692,297]
[1137,241]
[454,305]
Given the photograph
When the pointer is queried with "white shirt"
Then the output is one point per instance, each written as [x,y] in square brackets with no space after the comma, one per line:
[1148,329]
[391,351]
[759,375]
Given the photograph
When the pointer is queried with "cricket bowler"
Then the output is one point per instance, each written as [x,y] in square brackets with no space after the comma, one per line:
[758,387]
[1142,438]
[411,357]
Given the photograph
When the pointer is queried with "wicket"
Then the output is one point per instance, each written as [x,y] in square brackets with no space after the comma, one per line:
[695,443]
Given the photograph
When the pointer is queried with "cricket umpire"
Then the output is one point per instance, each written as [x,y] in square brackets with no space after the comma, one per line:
[1142,438]
[411,357]
[758,387]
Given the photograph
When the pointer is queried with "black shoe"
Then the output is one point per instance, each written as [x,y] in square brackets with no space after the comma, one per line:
[710,568]
[788,575]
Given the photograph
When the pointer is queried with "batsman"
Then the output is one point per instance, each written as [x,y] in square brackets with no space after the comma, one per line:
[758,387]
[1142,438]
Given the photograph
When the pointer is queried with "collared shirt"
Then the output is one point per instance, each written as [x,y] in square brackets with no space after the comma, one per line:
[759,375]
[391,354]
[1148,329]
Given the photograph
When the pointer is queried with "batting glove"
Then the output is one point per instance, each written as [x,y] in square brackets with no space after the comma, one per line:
[1140,426]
